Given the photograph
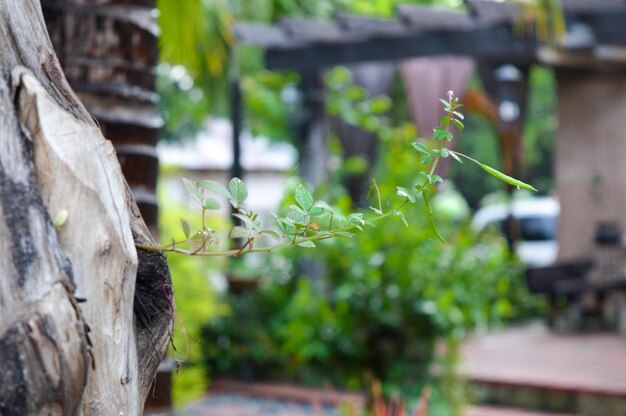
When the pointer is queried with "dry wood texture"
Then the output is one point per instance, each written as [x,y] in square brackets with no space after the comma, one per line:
[73,339]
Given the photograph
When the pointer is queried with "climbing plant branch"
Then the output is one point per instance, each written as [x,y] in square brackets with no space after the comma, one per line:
[309,221]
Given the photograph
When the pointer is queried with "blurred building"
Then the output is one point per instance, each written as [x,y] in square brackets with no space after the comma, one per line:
[266,166]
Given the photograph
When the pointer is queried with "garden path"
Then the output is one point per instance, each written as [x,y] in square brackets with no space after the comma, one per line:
[523,371]
[534,368]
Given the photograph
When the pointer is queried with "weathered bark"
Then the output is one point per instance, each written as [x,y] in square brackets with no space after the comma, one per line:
[108,50]
[60,356]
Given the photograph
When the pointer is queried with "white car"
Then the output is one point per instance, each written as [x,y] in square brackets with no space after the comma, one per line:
[538,220]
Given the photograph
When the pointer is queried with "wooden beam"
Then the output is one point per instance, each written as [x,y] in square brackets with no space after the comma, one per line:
[586,6]
[256,34]
[308,30]
[608,27]
[486,32]
[493,12]
[420,17]
[481,42]
[371,26]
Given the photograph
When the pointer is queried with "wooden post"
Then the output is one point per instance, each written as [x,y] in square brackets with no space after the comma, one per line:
[236,113]
[313,157]
[591,175]
[589,157]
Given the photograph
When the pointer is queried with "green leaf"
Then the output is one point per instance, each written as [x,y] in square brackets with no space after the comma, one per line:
[304,197]
[380,105]
[356,218]
[323,205]
[297,217]
[444,152]
[435,178]
[215,187]
[355,93]
[248,222]
[241,232]
[60,219]
[444,121]
[198,242]
[440,133]
[402,217]
[339,216]
[420,147]
[344,234]
[458,123]
[459,115]
[370,123]
[445,103]
[307,244]
[210,203]
[338,78]
[285,225]
[271,233]
[506,178]
[426,159]
[456,157]
[376,210]
[297,208]
[186,228]
[238,191]
[431,217]
[316,211]
[320,208]
[403,192]
[193,190]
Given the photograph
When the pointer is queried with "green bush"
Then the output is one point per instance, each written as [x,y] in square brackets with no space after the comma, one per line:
[387,297]
[196,303]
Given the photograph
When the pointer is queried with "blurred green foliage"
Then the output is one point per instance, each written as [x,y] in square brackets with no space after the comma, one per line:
[387,297]
[196,303]
[182,103]
[198,35]
[385,300]
[479,140]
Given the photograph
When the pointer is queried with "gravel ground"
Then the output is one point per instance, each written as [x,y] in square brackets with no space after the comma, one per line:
[223,404]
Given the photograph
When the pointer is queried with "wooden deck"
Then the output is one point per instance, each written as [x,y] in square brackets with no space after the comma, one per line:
[533,368]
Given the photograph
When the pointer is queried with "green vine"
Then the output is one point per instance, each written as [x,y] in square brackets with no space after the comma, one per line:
[309,221]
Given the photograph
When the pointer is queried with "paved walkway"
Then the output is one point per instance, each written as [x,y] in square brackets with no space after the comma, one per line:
[533,356]
[228,398]
[526,356]
[496,411]
[225,404]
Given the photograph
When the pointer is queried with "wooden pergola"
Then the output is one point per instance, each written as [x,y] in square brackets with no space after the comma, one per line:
[486,30]
[590,64]
[492,32]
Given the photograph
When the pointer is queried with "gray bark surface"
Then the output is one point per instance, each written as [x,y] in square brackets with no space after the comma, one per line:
[84,318]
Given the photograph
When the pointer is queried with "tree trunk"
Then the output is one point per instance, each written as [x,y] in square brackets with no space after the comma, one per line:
[84,318]
[108,51]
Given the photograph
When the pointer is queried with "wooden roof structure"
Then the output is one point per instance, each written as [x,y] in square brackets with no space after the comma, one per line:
[486,30]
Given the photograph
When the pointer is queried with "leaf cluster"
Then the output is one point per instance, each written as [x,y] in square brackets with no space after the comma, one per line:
[304,224]
[309,221]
